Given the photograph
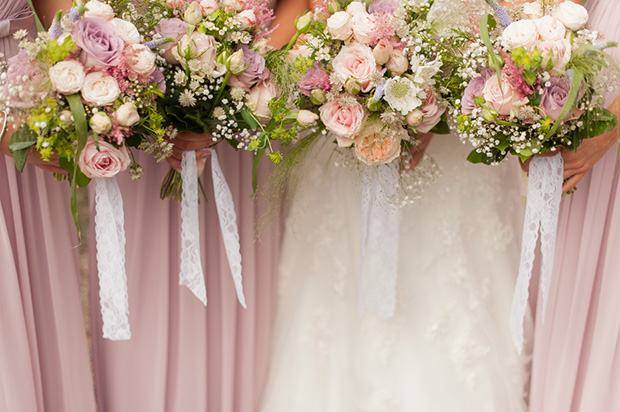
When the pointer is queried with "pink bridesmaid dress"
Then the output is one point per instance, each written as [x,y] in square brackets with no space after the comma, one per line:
[183,356]
[44,360]
[576,364]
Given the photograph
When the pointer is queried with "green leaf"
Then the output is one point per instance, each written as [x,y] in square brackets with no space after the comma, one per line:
[21,141]
[475,157]
[441,127]
[81,129]
[249,119]
[488,22]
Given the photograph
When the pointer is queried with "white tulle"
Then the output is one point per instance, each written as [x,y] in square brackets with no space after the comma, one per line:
[228,224]
[543,207]
[191,274]
[379,239]
[110,236]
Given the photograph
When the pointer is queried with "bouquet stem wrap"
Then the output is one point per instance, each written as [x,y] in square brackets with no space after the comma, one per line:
[191,267]
[544,194]
[379,238]
[110,235]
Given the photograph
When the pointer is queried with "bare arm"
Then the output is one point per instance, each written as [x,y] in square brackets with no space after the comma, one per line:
[286,12]
[47,8]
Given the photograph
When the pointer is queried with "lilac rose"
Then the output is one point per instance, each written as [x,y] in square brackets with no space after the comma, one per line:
[554,96]
[382,6]
[159,80]
[99,43]
[255,70]
[474,89]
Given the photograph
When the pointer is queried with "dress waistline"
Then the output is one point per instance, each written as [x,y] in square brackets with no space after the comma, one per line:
[23,19]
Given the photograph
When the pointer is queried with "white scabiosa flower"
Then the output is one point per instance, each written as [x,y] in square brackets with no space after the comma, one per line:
[401,94]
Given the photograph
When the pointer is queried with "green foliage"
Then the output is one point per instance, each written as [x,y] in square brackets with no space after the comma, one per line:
[21,141]
[53,52]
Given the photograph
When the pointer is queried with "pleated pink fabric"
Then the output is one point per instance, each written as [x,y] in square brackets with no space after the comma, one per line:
[576,364]
[182,356]
[44,360]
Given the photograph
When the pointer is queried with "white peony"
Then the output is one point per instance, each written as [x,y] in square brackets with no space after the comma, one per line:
[533,10]
[95,8]
[67,76]
[522,33]
[100,89]
[142,59]
[572,15]
[550,29]
[340,26]
[126,31]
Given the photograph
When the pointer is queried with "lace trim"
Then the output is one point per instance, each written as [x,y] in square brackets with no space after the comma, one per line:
[543,207]
[379,239]
[228,224]
[191,274]
[110,236]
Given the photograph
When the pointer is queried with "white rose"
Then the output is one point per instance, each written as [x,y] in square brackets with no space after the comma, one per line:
[356,7]
[193,13]
[364,27]
[572,15]
[307,118]
[100,89]
[209,6]
[100,123]
[247,18]
[533,10]
[95,8]
[67,76]
[550,29]
[141,58]
[520,33]
[127,115]
[340,26]
[126,31]
[398,63]
[262,47]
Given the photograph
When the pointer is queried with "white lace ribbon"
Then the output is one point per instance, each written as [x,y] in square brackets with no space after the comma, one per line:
[110,236]
[379,240]
[191,274]
[544,194]
[191,267]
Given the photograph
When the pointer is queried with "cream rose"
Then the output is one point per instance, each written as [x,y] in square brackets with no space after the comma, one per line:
[556,55]
[126,31]
[209,6]
[141,59]
[127,114]
[355,61]
[533,10]
[414,118]
[100,89]
[67,77]
[572,15]
[260,96]
[344,121]
[383,51]
[375,145]
[520,33]
[235,5]
[340,26]
[107,161]
[356,7]
[398,63]
[193,13]
[364,27]
[500,98]
[307,118]
[247,18]
[100,123]
[550,29]
[97,9]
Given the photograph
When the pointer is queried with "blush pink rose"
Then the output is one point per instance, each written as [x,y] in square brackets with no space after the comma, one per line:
[107,161]
[500,98]
[432,113]
[345,121]
[260,95]
[175,29]
[356,61]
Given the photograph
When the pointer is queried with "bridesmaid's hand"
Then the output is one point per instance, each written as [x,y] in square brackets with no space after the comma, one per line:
[417,152]
[34,157]
[185,141]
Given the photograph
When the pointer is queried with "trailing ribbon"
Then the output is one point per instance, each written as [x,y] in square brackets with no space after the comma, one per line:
[379,240]
[191,267]
[544,194]
[110,235]
[191,274]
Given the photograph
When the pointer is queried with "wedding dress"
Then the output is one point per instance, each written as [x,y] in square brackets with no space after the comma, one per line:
[448,347]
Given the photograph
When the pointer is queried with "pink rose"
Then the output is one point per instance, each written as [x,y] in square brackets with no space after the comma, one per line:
[356,61]
[140,59]
[500,98]
[175,29]
[345,121]
[108,161]
[432,113]
[364,27]
[198,46]
[375,145]
[260,96]
[556,55]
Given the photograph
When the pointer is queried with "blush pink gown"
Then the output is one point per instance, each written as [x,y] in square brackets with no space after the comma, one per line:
[576,364]
[184,356]
[44,360]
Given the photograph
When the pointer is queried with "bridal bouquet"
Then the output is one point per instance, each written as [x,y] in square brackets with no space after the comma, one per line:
[534,84]
[86,92]
[215,69]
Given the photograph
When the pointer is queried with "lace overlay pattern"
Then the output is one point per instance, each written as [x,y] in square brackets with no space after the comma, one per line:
[110,236]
